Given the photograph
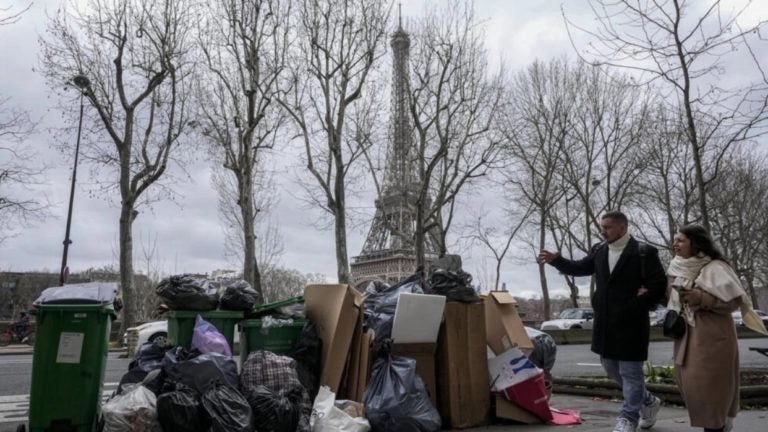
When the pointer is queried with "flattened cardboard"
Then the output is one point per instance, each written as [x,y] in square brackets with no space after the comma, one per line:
[424,354]
[463,390]
[511,411]
[335,310]
[417,318]
[365,364]
[503,326]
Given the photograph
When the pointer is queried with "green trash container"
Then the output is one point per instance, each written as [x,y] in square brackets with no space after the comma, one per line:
[68,364]
[279,340]
[271,308]
[181,325]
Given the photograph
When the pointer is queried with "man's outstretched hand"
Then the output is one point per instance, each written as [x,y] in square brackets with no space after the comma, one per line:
[546,257]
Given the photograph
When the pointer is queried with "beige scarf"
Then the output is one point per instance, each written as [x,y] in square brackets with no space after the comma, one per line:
[716,278]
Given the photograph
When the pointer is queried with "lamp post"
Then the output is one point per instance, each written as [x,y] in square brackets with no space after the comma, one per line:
[82,82]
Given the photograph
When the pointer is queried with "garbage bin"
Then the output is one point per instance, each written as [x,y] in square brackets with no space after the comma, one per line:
[68,366]
[181,325]
[272,308]
[254,336]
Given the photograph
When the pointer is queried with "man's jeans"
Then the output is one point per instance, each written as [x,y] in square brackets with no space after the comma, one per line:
[629,375]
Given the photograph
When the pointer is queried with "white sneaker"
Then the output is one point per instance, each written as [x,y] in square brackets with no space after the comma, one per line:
[624,425]
[728,424]
[649,412]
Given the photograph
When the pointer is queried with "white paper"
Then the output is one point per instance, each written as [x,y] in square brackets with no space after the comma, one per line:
[417,318]
[70,347]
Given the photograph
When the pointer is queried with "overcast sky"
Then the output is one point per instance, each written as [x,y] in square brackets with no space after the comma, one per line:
[189,233]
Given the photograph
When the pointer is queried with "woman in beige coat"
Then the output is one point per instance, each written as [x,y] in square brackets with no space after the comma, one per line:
[705,290]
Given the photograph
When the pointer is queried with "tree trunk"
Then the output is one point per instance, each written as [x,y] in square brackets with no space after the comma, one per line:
[542,273]
[247,212]
[130,303]
[340,227]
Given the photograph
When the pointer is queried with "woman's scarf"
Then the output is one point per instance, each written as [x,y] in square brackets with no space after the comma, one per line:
[685,271]
[716,278]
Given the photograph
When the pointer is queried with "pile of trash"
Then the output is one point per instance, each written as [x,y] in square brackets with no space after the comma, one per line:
[419,355]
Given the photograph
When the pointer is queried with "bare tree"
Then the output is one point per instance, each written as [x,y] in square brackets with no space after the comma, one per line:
[497,241]
[20,171]
[134,54]
[339,46]
[281,283]
[454,104]
[667,197]
[244,45]
[269,247]
[739,205]
[537,121]
[9,16]
[687,48]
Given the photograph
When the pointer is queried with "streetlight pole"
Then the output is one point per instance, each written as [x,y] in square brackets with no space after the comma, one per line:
[82,82]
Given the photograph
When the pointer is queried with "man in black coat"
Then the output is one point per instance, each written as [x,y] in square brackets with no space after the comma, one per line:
[629,281]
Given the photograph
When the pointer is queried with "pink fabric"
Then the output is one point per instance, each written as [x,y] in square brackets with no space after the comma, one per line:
[562,417]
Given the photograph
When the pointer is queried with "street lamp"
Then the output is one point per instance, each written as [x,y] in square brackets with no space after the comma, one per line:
[82,82]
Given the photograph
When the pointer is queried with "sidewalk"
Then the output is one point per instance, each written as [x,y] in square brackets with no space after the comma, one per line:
[600,415]
[597,414]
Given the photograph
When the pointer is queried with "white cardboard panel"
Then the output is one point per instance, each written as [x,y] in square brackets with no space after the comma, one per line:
[417,318]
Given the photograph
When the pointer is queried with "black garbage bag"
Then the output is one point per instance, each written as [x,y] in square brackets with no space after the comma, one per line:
[182,410]
[278,374]
[308,353]
[396,400]
[149,357]
[185,292]
[227,409]
[155,381]
[273,412]
[543,354]
[133,376]
[200,372]
[455,286]
[380,302]
[239,296]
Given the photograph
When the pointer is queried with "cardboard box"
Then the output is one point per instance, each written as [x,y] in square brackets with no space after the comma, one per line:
[335,310]
[358,370]
[463,390]
[503,326]
[511,411]
[424,354]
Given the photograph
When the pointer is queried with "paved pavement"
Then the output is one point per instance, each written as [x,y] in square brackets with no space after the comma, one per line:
[600,415]
[597,414]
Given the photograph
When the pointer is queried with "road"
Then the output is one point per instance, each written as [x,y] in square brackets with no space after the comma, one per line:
[572,360]
[578,360]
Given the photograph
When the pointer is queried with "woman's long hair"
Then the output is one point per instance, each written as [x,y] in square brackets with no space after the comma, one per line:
[701,242]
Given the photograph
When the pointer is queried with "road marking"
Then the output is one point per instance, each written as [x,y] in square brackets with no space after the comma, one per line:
[14,408]
[590,364]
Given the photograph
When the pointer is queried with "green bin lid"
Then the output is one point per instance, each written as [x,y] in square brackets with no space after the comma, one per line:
[205,314]
[266,309]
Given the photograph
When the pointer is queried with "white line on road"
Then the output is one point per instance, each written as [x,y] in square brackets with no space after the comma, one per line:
[589,364]
[14,408]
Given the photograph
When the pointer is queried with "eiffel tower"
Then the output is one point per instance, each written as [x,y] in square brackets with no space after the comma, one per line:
[389,253]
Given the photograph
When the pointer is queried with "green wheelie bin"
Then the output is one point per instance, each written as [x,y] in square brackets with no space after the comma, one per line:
[68,366]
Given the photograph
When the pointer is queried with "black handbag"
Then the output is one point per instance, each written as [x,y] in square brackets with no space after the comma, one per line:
[674,325]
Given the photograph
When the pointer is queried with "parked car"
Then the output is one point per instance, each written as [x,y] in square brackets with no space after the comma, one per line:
[739,321]
[657,316]
[574,318]
[155,331]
